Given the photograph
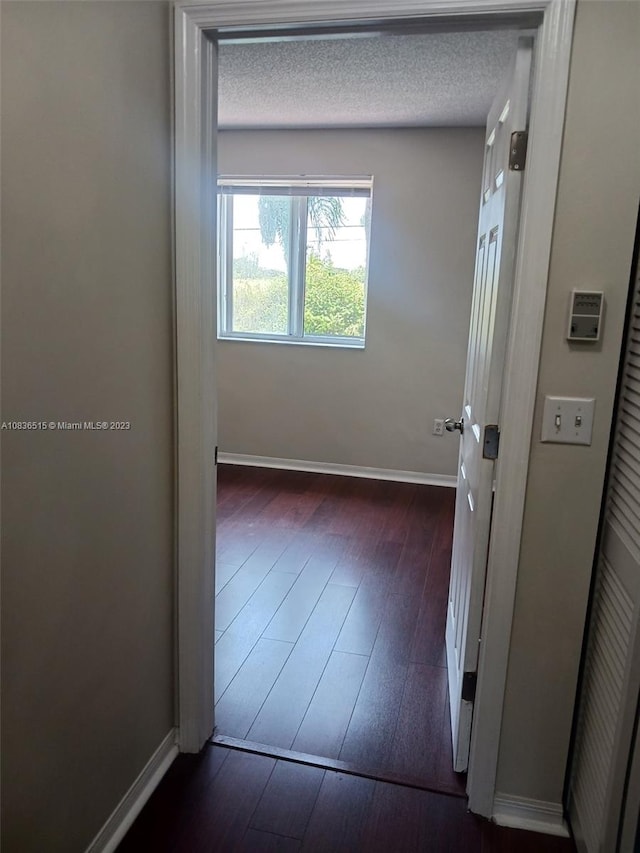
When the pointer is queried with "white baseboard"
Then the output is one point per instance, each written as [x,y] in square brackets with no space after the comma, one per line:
[335,468]
[533,815]
[134,800]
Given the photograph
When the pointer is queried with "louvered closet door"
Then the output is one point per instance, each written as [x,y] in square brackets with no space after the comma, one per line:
[609,695]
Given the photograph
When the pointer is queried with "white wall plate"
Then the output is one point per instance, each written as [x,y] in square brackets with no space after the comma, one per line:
[568,420]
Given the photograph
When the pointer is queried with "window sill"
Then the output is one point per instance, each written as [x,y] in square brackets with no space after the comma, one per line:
[331,343]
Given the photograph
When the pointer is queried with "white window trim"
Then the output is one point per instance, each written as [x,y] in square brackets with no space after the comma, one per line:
[287,186]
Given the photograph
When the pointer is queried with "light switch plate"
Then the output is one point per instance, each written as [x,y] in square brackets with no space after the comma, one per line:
[568,420]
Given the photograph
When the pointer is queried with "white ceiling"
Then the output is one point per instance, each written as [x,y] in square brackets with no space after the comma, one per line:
[438,79]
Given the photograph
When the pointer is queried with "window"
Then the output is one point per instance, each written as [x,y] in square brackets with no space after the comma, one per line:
[293,259]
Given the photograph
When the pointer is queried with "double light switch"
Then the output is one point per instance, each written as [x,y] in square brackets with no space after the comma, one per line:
[568,420]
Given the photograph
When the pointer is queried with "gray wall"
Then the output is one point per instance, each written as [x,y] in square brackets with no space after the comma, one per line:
[371,407]
[87,593]
[592,248]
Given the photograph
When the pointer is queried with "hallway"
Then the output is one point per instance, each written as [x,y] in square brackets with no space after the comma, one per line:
[224,800]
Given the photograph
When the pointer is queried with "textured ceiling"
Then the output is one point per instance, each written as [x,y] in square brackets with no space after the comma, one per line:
[439,79]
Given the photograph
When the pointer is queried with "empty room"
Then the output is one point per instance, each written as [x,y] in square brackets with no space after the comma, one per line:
[350,177]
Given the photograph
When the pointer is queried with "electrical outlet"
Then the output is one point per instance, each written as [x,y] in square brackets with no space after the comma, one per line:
[438,426]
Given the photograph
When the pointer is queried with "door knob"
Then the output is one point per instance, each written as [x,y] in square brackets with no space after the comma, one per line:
[451,425]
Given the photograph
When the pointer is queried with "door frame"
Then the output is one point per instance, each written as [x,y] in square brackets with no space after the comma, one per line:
[195,97]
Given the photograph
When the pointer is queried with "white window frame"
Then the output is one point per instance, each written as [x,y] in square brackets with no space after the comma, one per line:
[299,189]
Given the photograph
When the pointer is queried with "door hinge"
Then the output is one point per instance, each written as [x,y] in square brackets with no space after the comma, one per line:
[518,150]
[215,456]
[469,682]
[491,442]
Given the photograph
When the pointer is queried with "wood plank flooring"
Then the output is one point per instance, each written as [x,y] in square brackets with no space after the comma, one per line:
[330,616]
[225,800]
[330,641]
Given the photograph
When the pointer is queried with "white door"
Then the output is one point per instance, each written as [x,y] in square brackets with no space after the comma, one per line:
[491,306]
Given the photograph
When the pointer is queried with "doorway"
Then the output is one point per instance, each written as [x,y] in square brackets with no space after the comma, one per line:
[274,400]
[194,141]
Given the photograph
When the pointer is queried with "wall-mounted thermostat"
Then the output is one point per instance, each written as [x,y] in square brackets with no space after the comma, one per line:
[585,315]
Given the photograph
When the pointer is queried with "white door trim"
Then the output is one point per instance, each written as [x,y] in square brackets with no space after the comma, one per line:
[195,93]
[195,299]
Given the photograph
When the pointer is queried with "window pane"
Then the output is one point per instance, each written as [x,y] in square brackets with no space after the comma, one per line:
[336,266]
[260,264]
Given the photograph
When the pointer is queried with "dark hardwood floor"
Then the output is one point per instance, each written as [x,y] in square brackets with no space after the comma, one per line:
[225,800]
[330,612]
